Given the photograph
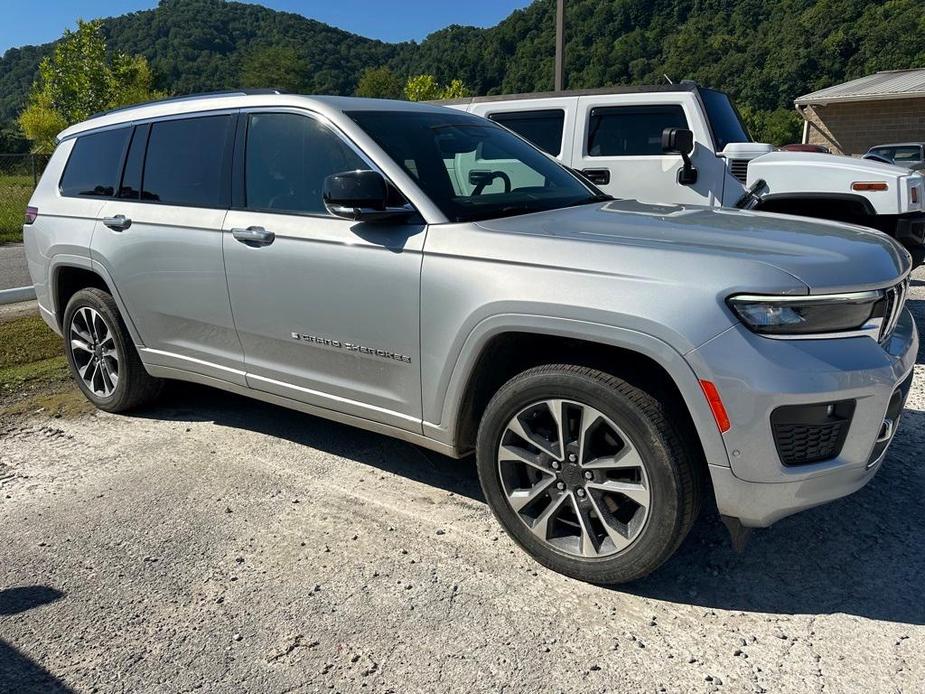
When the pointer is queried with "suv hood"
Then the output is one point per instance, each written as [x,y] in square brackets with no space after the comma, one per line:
[835,162]
[825,256]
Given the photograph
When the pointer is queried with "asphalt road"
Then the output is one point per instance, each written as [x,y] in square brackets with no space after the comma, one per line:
[218,544]
[13,270]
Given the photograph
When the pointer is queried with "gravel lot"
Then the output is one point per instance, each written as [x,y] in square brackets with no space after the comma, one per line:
[219,544]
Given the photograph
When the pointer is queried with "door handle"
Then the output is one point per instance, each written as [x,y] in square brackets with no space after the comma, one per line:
[599,177]
[254,236]
[118,223]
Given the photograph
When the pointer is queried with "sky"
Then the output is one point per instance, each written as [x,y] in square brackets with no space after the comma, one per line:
[41,21]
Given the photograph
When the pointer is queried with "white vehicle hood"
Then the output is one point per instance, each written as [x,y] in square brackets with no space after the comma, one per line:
[809,172]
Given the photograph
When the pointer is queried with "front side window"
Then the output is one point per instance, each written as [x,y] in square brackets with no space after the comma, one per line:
[619,131]
[187,162]
[471,168]
[542,128]
[287,158]
[94,165]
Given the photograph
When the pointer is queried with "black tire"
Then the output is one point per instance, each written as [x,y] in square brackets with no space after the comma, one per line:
[134,386]
[672,466]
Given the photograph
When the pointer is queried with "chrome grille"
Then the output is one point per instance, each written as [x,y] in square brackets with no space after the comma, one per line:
[895,302]
[739,168]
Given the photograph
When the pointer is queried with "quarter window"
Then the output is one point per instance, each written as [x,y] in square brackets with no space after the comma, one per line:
[187,162]
[94,164]
[616,131]
[287,158]
[542,128]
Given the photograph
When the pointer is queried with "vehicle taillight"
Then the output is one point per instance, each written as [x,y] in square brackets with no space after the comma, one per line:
[31,214]
[914,193]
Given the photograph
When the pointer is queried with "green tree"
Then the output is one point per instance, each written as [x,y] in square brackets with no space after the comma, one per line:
[426,88]
[777,127]
[422,88]
[455,90]
[79,79]
[379,83]
[279,67]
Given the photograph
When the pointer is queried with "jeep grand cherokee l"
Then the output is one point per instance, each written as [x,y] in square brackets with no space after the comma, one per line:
[429,275]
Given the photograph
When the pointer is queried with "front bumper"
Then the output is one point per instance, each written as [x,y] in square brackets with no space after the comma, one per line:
[756,375]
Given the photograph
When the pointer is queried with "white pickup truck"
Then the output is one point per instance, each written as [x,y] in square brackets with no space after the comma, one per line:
[682,143]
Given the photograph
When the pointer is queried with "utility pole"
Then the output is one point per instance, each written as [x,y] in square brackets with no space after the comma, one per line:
[560,45]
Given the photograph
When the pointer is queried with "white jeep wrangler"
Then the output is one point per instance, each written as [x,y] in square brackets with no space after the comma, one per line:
[682,143]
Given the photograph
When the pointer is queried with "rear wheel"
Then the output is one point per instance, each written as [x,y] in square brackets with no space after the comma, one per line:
[587,473]
[101,355]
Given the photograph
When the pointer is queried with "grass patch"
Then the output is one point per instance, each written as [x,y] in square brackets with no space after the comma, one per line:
[46,371]
[15,192]
[67,402]
[31,356]
[27,340]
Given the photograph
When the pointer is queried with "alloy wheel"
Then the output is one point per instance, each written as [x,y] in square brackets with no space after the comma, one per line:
[574,478]
[93,348]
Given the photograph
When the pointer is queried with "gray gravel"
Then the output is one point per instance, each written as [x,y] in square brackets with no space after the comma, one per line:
[219,544]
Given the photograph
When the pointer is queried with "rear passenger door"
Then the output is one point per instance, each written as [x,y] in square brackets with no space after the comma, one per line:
[160,240]
[327,309]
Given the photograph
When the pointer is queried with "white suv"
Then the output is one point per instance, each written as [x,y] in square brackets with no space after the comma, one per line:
[619,138]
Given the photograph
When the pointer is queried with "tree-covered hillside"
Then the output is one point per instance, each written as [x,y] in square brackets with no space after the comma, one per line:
[765,52]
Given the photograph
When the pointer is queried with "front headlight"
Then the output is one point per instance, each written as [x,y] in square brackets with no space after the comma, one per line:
[811,316]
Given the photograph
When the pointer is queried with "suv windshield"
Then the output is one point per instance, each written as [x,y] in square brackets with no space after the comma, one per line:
[725,122]
[471,168]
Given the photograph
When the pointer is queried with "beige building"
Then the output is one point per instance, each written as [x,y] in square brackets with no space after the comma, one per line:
[881,108]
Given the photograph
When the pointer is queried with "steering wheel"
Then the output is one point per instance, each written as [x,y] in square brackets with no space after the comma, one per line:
[489,178]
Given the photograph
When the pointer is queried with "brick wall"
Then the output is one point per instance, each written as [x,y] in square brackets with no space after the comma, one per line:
[853,128]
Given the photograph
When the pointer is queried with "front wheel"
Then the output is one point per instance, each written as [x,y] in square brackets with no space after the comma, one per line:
[101,356]
[587,473]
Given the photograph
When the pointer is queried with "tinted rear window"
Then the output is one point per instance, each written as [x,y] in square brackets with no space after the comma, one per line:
[631,130]
[94,165]
[542,128]
[187,162]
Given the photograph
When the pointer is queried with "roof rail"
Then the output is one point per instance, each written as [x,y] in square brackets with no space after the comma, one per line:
[189,97]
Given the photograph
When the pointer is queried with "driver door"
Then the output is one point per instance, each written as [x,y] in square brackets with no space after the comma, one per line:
[327,309]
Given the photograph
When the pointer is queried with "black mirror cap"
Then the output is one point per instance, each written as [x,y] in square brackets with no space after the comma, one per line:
[357,189]
[677,141]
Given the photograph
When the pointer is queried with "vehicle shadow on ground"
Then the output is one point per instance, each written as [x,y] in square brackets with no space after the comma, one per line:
[189,402]
[18,672]
[860,555]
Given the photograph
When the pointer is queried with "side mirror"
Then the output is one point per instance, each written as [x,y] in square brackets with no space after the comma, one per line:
[681,141]
[362,196]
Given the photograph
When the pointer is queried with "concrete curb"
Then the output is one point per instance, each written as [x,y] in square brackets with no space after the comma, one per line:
[16,294]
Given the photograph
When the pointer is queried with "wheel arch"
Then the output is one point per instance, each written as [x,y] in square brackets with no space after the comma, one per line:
[502,346]
[844,207]
[70,274]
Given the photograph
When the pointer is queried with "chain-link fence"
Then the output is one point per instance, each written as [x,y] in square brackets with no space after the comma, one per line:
[19,174]
[29,166]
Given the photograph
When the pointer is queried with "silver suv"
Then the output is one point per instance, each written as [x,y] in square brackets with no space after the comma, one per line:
[429,275]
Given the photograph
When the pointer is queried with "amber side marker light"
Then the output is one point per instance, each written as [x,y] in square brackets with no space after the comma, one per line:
[716,405]
[31,214]
[869,185]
